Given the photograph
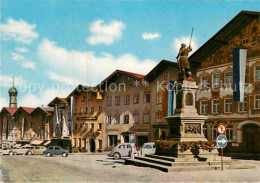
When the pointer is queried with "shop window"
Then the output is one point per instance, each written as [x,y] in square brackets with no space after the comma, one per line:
[229,132]
[203,107]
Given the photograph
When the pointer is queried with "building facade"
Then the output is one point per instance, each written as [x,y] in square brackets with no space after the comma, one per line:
[87,120]
[215,78]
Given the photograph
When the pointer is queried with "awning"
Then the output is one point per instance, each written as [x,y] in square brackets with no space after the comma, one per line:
[46,143]
[36,142]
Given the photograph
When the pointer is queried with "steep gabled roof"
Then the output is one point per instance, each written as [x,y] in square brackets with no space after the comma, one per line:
[57,100]
[159,68]
[116,72]
[46,110]
[81,88]
[28,110]
[225,34]
[10,110]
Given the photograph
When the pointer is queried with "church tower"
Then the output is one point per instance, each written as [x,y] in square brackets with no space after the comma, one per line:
[13,96]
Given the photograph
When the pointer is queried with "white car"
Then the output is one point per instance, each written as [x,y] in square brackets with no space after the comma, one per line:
[23,150]
[6,151]
[122,150]
[147,148]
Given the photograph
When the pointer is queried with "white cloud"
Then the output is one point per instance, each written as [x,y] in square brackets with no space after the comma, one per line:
[150,36]
[16,56]
[32,100]
[28,65]
[86,67]
[62,79]
[6,81]
[22,49]
[105,33]
[176,44]
[3,102]
[19,31]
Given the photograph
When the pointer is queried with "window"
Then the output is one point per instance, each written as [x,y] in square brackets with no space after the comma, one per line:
[112,140]
[127,99]
[215,80]
[204,82]
[81,110]
[100,108]
[203,107]
[215,106]
[121,147]
[228,105]
[257,102]
[79,142]
[57,148]
[100,126]
[109,119]
[146,97]
[205,131]
[90,97]
[158,117]
[109,101]
[148,146]
[229,132]
[242,106]
[228,78]
[86,108]
[146,117]
[117,119]
[136,99]
[257,73]
[214,132]
[117,100]
[166,78]
[158,98]
[245,41]
[126,119]
[92,126]
[92,109]
[76,126]
[136,117]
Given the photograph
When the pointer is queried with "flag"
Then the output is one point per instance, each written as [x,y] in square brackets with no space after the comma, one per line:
[239,71]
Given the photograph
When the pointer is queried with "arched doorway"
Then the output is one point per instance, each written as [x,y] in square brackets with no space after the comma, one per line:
[251,136]
[92,145]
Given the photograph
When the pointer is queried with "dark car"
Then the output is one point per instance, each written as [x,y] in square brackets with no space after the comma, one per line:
[56,150]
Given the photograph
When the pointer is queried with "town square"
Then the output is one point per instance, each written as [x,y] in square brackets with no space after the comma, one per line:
[120,91]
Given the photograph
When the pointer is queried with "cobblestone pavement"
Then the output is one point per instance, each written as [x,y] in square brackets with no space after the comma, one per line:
[99,168]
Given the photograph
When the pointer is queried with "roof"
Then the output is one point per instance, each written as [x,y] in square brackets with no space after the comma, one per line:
[116,72]
[46,110]
[10,110]
[77,91]
[29,110]
[159,68]
[57,100]
[225,34]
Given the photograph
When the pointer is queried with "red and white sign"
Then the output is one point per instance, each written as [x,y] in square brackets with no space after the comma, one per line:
[221,129]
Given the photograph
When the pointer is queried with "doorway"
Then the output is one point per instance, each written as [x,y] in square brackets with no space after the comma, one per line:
[92,145]
[251,136]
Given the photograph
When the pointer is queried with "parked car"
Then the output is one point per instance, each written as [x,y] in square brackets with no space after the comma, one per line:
[22,150]
[122,150]
[38,150]
[6,151]
[56,150]
[147,148]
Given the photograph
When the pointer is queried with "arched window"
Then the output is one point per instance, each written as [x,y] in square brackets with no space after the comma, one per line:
[214,132]
[205,131]
[229,132]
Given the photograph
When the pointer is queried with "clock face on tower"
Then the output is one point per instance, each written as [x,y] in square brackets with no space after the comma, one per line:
[13,99]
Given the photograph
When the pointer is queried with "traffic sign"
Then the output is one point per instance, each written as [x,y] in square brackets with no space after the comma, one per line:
[132,138]
[221,129]
[222,141]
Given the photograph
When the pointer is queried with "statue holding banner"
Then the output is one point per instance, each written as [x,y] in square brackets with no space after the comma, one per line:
[183,61]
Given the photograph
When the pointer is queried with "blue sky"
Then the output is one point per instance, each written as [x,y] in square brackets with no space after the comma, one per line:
[51,46]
